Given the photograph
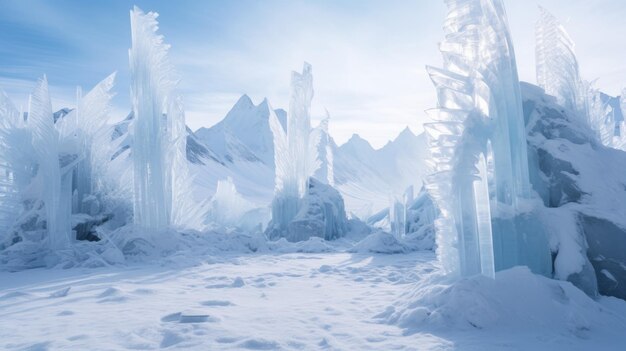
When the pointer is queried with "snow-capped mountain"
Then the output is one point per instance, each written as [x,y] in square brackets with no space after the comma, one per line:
[244,134]
[367,178]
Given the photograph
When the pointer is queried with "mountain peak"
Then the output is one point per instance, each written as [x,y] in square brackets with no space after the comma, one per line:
[244,102]
[358,143]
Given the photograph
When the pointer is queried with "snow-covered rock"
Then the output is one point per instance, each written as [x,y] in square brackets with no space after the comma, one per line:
[583,188]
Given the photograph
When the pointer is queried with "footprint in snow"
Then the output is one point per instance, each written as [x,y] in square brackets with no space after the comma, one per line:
[190,316]
[259,344]
[110,292]
[170,338]
[237,283]
[212,303]
[14,295]
[61,293]
[325,268]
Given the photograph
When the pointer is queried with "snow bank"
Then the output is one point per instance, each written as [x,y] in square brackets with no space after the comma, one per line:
[516,302]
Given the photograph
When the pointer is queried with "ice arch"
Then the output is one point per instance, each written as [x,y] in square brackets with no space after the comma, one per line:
[478,146]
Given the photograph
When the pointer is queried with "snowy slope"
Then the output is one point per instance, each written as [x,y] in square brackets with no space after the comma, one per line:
[244,134]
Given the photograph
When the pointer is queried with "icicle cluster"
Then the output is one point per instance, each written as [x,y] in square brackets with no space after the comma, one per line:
[479,118]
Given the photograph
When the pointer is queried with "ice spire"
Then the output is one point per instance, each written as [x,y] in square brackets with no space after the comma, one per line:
[185,211]
[45,139]
[151,86]
[322,149]
[479,117]
[299,127]
[16,163]
[557,66]
[295,152]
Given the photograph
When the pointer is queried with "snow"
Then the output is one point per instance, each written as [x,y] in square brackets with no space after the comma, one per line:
[145,235]
[284,301]
[517,310]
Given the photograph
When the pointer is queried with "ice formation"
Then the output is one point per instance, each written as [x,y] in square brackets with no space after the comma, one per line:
[399,212]
[16,162]
[321,138]
[162,196]
[321,213]
[557,66]
[478,145]
[558,74]
[301,209]
[83,136]
[52,169]
[228,207]
[296,160]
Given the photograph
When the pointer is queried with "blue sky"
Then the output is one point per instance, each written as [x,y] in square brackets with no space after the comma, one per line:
[368,56]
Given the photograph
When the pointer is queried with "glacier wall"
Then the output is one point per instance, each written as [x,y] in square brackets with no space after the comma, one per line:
[478,148]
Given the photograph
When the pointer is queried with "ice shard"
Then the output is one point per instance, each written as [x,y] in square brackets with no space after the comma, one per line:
[151,87]
[478,147]
[186,211]
[228,207]
[16,164]
[299,128]
[81,132]
[399,212]
[397,217]
[600,116]
[295,155]
[321,142]
[45,141]
[557,66]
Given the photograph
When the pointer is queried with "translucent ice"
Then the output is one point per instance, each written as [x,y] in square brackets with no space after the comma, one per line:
[557,66]
[45,141]
[478,146]
[162,192]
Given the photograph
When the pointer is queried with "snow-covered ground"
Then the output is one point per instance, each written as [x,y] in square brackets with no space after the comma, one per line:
[297,301]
